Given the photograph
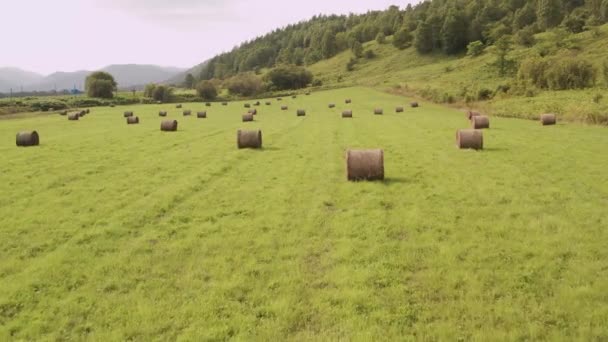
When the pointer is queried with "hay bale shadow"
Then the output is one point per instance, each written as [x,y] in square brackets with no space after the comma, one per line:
[396,181]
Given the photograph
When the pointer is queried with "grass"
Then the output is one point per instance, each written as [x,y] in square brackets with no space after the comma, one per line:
[116,232]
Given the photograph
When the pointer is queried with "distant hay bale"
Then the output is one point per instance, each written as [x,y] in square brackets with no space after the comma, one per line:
[378,111]
[127,114]
[279,99]
[268,103]
[224,103]
[162,113]
[82,113]
[480,122]
[294,96]
[399,110]
[63,113]
[332,105]
[187,112]
[284,108]
[307,93]
[178,106]
[74,116]
[548,119]
[112,105]
[247,105]
[249,139]
[471,114]
[208,104]
[87,111]
[132,120]
[414,105]
[347,101]
[347,114]
[257,103]
[28,138]
[247,117]
[301,112]
[168,125]
[253,111]
[364,165]
[201,115]
[469,139]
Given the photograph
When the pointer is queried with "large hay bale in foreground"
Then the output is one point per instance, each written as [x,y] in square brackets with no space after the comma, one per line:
[201,115]
[480,122]
[168,125]
[249,139]
[469,139]
[347,114]
[301,112]
[162,113]
[414,105]
[548,119]
[74,116]
[178,106]
[28,138]
[347,101]
[378,111]
[332,105]
[284,108]
[132,120]
[127,114]
[187,112]
[399,110]
[253,111]
[364,165]
[247,117]
[471,114]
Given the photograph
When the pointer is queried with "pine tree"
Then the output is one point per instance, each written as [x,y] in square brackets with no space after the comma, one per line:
[328,44]
[423,40]
[454,33]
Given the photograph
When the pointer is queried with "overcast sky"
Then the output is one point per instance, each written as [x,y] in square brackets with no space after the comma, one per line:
[67,35]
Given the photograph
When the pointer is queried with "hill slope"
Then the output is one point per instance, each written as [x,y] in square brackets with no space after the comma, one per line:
[15,78]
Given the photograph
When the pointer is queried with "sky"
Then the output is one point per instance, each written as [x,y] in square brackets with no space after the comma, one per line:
[45,36]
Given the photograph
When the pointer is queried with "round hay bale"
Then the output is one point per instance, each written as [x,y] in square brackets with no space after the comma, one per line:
[168,125]
[469,139]
[284,108]
[268,103]
[257,103]
[201,115]
[253,111]
[364,165]
[414,105]
[112,105]
[178,106]
[307,93]
[162,113]
[480,122]
[82,113]
[301,112]
[247,117]
[28,138]
[208,104]
[247,105]
[347,114]
[378,111]
[548,119]
[471,114]
[347,101]
[249,139]
[279,99]
[332,105]
[187,112]
[63,113]
[294,96]
[87,111]
[74,116]
[127,114]
[224,103]
[132,120]
[399,110]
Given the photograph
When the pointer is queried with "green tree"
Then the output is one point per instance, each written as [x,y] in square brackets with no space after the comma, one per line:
[162,93]
[604,11]
[206,90]
[501,50]
[289,77]
[100,84]
[423,40]
[381,38]
[549,13]
[454,32]
[328,44]
[189,82]
[402,39]
[475,48]
[357,49]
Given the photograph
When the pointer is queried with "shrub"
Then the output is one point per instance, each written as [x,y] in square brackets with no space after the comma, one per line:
[369,54]
[402,39]
[381,38]
[597,98]
[525,37]
[570,73]
[289,77]
[350,66]
[162,93]
[475,48]
[245,85]
[484,94]
[100,84]
[317,83]
[533,70]
[206,90]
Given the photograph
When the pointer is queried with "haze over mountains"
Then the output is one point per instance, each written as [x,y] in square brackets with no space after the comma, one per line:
[126,75]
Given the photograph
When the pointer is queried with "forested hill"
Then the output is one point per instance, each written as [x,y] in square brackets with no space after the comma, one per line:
[437,26]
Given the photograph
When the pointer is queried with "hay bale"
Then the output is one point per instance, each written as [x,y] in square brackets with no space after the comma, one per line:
[414,105]
[378,111]
[63,113]
[187,112]
[469,139]
[364,165]
[347,114]
[132,120]
[347,101]
[279,99]
[480,122]
[332,105]
[294,96]
[252,112]
[201,115]
[301,112]
[307,93]
[257,103]
[249,139]
[73,116]
[127,114]
[247,105]
[168,125]
[224,103]
[28,138]
[268,103]
[82,113]
[162,113]
[178,106]
[548,119]
[399,110]
[247,117]
[471,114]
[112,105]
[87,111]
[284,108]
[208,104]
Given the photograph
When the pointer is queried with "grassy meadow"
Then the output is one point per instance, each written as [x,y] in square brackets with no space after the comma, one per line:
[116,232]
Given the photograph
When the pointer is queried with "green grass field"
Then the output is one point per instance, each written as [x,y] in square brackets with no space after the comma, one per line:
[116,232]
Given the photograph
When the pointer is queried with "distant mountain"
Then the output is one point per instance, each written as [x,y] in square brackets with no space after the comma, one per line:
[127,76]
[180,77]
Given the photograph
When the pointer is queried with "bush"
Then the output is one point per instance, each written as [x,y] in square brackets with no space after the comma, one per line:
[289,77]
[484,94]
[100,84]
[570,73]
[162,93]
[350,66]
[381,38]
[475,48]
[317,83]
[369,54]
[403,39]
[525,37]
[533,70]
[597,98]
[244,85]
[206,90]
